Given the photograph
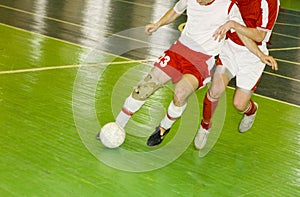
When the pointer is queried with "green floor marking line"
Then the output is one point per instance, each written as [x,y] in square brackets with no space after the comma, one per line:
[70,66]
[63,41]
[69,23]
[45,36]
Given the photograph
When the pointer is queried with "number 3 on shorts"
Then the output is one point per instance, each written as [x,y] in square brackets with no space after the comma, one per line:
[163,60]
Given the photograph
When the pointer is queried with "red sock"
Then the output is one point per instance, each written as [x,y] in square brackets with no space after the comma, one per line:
[251,109]
[209,108]
[205,125]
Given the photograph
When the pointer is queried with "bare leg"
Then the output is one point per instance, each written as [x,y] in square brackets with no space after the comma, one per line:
[183,89]
[218,86]
[153,81]
[241,99]
[244,104]
[219,82]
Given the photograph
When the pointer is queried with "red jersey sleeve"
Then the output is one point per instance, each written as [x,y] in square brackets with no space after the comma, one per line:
[260,14]
[270,9]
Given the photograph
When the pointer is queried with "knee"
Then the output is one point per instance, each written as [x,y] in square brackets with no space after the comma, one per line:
[241,99]
[146,88]
[180,96]
[215,94]
[239,105]
[219,83]
[141,93]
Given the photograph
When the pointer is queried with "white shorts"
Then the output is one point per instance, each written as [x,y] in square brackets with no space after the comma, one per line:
[242,64]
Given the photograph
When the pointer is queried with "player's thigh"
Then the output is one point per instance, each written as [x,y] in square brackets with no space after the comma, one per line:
[159,75]
[150,83]
[219,82]
[184,88]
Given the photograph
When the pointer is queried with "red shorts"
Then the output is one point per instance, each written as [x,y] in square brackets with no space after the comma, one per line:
[180,60]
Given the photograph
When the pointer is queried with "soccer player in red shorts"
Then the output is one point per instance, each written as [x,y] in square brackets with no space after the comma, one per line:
[235,60]
[188,62]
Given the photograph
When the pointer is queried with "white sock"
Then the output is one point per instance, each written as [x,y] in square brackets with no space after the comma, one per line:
[174,112]
[130,106]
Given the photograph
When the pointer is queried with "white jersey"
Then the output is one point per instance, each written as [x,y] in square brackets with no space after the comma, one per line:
[203,21]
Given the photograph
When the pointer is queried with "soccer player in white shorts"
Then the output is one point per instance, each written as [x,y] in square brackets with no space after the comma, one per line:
[187,63]
[235,60]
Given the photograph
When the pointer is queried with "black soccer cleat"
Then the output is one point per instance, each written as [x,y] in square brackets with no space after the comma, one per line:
[155,138]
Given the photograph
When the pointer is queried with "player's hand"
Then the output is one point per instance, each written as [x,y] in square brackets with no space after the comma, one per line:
[150,28]
[220,33]
[270,61]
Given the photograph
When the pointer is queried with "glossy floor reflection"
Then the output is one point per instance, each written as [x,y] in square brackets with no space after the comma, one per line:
[66,67]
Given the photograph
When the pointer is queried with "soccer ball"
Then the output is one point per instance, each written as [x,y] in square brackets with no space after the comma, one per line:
[112,135]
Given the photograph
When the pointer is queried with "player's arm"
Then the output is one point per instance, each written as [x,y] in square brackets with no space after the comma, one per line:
[167,18]
[252,46]
[171,15]
[236,23]
[252,33]
[258,34]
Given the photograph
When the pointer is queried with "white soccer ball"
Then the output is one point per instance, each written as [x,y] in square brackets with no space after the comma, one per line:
[112,135]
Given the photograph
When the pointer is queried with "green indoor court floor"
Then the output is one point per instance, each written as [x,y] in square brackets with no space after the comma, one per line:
[66,68]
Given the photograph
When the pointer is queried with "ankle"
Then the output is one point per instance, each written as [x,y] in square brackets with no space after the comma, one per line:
[206,124]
